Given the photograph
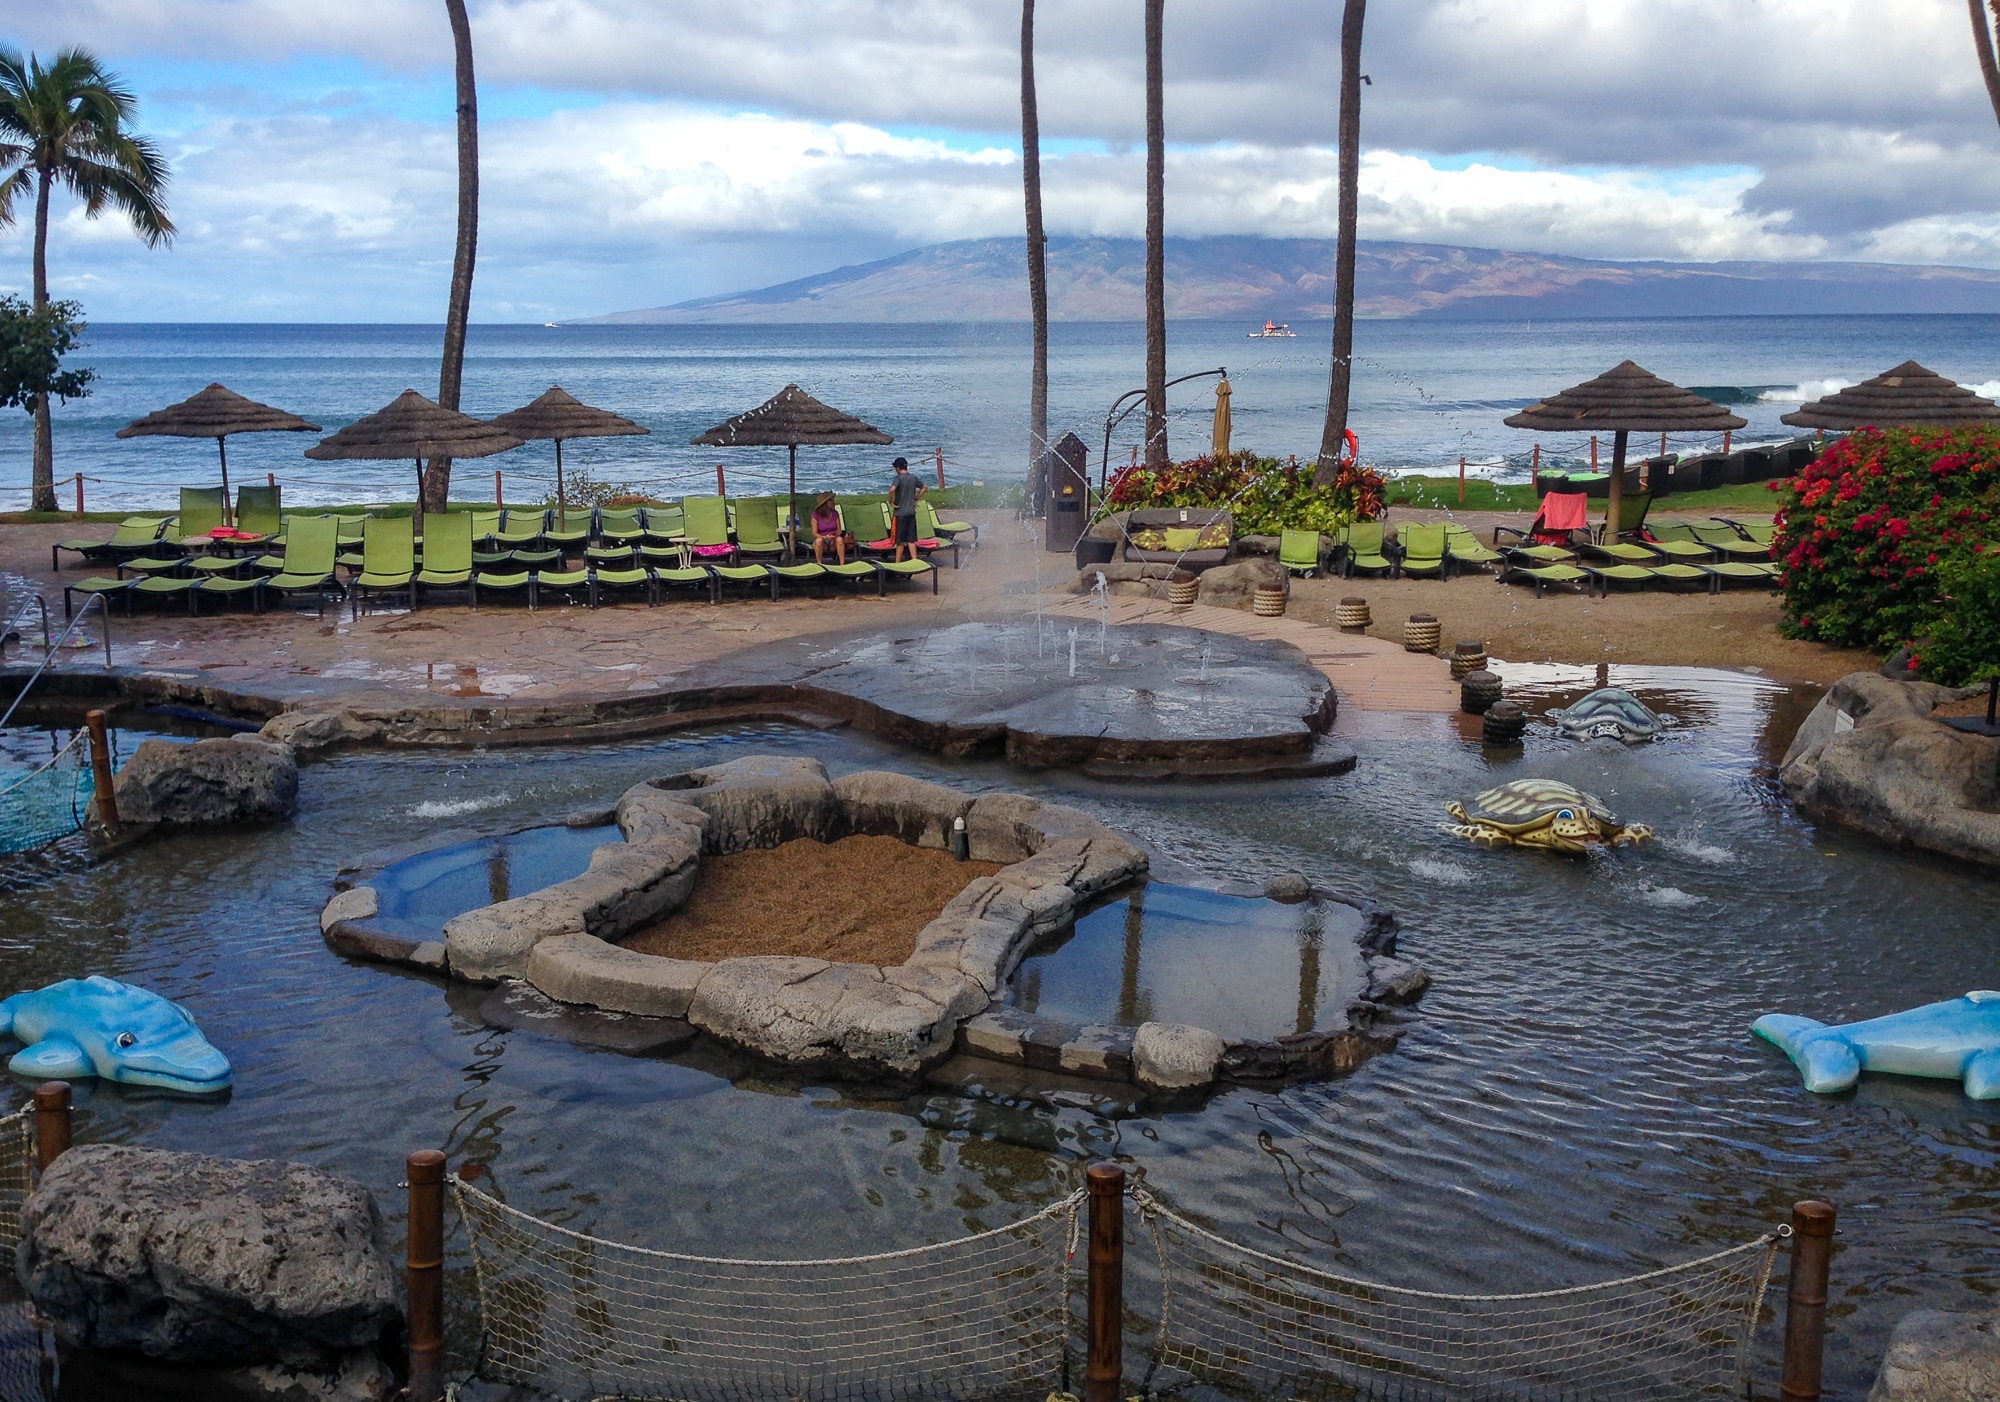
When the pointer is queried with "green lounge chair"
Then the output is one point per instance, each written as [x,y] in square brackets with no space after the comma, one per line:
[521,530]
[259,512]
[447,562]
[750,576]
[869,521]
[685,577]
[1676,540]
[136,535]
[1669,576]
[664,556]
[665,525]
[904,569]
[804,573]
[952,530]
[1543,577]
[388,560]
[1358,546]
[757,528]
[275,564]
[931,534]
[1755,573]
[534,560]
[1728,545]
[200,513]
[574,582]
[1420,550]
[1462,549]
[501,583]
[619,527]
[1626,547]
[603,580]
[1299,552]
[311,544]
[568,528]
[145,566]
[708,531]
[614,555]
[98,584]
[1763,533]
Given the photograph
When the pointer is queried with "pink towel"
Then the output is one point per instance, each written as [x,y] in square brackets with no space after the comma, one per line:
[1565,511]
[713,549]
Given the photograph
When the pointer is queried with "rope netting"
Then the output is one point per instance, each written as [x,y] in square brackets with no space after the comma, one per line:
[17,1161]
[47,802]
[1243,1321]
[579,1317]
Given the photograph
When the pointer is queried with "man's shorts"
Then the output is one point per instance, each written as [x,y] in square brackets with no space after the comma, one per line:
[906,529]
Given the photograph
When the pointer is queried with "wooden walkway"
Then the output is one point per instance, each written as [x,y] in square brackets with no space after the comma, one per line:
[1367,672]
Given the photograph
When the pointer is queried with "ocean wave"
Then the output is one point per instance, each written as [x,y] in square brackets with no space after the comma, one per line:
[1986,389]
[457,808]
[1734,394]
[1804,392]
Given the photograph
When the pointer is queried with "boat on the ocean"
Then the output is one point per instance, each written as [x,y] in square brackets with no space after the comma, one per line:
[1274,328]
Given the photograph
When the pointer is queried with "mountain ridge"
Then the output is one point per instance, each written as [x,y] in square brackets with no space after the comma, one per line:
[1224,277]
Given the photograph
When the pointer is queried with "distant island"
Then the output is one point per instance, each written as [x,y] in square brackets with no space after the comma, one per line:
[1099,279]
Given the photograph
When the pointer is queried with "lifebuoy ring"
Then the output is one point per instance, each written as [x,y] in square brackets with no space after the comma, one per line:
[1353,446]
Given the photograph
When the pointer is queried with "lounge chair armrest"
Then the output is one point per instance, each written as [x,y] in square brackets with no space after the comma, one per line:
[1499,531]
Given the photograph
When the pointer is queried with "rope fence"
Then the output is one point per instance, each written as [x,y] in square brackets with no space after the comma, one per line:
[48,802]
[17,1164]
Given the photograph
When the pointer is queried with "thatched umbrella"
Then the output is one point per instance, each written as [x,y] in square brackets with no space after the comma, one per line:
[558,414]
[1621,400]
[787,419]
[216,413]
[412,426]
[1908,394]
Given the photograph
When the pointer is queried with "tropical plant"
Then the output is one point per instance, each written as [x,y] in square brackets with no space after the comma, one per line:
[1156,241]
[1333,435]
[67,124]
[1879,517]
[1038,243]
[1263,495]
[33,342]
[451,369]
[1964,643]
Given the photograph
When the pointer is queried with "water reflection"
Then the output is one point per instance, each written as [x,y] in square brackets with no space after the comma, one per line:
[420,893]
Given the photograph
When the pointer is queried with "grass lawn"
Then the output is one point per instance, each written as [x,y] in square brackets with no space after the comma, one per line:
[1755,498]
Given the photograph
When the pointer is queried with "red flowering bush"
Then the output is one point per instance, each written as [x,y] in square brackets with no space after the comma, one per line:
[1264,495]
[1877,520]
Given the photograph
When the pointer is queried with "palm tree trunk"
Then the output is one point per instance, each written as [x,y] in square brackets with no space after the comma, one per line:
[43,479]
[1038,285]
[1982,42]
[1333,435]
[1156,245]
[437,481]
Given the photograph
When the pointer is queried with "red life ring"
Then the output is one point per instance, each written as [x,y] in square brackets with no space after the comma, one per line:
[1353,447]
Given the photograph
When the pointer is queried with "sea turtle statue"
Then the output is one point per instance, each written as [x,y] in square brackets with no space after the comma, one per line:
[1541,813]
[1618,715]
[1957,1040]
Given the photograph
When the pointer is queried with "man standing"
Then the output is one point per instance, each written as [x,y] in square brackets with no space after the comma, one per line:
[903,494]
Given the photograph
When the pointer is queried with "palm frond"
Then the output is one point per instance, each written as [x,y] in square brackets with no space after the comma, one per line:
[12,189]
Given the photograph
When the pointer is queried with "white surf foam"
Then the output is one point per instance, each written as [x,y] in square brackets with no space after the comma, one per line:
[457,808]
[1697,850]
[1442,872]
[1807,390]
[1667,897]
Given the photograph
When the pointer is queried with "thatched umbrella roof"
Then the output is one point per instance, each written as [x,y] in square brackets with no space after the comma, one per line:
[216,412]
[787,419]
[1625,397]
[1908,394]
[412,426]
[558,414]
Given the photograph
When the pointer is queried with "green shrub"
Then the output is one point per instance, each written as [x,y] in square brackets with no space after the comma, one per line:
[1263,495]
[1879,519]
[1964,643]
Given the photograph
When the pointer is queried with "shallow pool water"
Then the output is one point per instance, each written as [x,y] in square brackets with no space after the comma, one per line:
[1243,968]
[1577,1097]
[418,894]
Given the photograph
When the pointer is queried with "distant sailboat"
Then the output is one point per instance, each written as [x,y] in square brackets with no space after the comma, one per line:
[1274,328]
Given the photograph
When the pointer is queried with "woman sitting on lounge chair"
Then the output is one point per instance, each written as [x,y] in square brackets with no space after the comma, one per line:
[826,529]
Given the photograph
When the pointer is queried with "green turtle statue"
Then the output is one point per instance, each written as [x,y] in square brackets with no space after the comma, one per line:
[1541,813]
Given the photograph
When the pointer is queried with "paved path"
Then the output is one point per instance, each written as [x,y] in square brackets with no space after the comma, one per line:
[1371,673]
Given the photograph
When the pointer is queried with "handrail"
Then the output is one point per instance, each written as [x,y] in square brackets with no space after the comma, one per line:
[49,655]
[1116,417]
[12,633]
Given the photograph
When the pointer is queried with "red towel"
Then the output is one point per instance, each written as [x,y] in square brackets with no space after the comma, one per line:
[1565,511]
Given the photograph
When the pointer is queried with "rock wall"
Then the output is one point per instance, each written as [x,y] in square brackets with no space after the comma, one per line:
[240,779]
[1870,757]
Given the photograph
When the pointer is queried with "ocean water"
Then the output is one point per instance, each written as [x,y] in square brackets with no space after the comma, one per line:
[1425,392]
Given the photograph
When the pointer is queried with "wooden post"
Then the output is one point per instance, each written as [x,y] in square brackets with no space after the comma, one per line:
[270,479]
[1593,453]
[1725,439]
[1663,442]
[100,770]
[424,1268]
[1535,471]
[498,499]
[1104,1376]
[940,467]
[79,496]
[721,488]
[1805,1300]
[52,1122]
[1461,479]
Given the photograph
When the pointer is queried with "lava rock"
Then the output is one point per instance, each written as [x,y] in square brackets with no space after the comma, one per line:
[760,801]
[234,780]
[1289,887]
[192,1259]
[1941,1356]
[1234,585]
[1169,1056]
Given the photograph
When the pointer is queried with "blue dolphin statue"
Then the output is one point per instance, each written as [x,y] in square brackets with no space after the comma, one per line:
[1955,1040]
[99,1027]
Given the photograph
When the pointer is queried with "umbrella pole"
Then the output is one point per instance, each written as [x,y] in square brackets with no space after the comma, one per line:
[1614,499]
[222,450]
[792,509]
[417,511]
[562,503]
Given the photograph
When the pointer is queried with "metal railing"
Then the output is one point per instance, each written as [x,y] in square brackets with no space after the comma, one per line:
[12,632]
[51,649]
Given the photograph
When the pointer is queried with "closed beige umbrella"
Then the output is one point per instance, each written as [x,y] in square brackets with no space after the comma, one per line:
[1222,418]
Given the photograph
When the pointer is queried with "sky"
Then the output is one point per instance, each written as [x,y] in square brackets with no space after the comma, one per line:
[638,153]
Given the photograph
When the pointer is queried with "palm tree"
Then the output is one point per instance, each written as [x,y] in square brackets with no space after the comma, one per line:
[1038,284]
[1982,41]
[1333,436]
[1156,245]
[66,125]
[437,481]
